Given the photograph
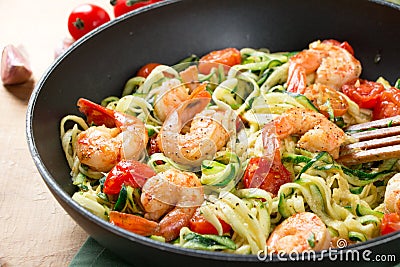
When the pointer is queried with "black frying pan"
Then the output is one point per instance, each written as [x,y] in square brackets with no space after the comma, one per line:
[98,66]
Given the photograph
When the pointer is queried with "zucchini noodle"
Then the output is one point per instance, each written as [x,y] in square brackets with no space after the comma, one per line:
[249,218]
[348,200]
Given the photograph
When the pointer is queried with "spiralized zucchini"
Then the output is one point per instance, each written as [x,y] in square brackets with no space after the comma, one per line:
[349,201]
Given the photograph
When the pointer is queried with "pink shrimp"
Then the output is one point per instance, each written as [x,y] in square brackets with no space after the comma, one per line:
[326,63]
[118,136]
[300,232]
[169,199]
[392,194]
[206,135]
[173,92]
[317,132]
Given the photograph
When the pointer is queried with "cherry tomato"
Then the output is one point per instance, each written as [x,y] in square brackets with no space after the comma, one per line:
[228,57]
[390,223]
[124,6]
[388,104]
[200,225]
[274,176]
[84,18]
[319,96]
[97,114]
[147,69]
[348,47]
[344,45]
[154,148]
[365,93]
[128,172]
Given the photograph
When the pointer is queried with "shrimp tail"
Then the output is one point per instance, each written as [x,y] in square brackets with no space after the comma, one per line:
[271,143]
[271,155]
[96,113]
[190,77]
[173,222]
[134,223]
[200,92]
[297,79]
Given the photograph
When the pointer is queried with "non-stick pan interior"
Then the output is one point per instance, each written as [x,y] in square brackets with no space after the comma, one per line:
[99,65]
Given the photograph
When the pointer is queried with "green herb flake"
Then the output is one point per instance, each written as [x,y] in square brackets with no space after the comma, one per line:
[83,187]
[311,240]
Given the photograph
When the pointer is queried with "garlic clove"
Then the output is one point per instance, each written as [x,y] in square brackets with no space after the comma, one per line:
[15,67]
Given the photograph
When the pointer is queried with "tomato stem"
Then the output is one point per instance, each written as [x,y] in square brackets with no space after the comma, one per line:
[113,2]
[79,24]
[132,2]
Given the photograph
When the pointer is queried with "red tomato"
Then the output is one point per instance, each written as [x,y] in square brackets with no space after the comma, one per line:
[84,18]
[200,225]
[347,46]
[147,69]
[365,93]
[96,113]
[124,6]
[319,95]
[228,57]
[388,104]
[273,175]
[128,172]
[154,148]
[390,223]
[344,45]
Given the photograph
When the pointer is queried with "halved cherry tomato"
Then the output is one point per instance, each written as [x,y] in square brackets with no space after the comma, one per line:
[365,93]
[273,175]
[228,57]
[390,223]
[319,95]
[388,104]
[124,6]
[147,69]
[85,18]
[96,113]
[200,225]
[344,45]
[128,172]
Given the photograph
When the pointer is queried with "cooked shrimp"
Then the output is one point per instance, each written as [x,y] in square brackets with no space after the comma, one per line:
[205,137]
[392,194]
[168,189]
[300,232]
[119,136]
[190,77]
[171,94]
[173,196]
[318,133]
[323,63]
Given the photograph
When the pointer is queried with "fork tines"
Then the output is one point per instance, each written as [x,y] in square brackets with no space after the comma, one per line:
[377,140]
